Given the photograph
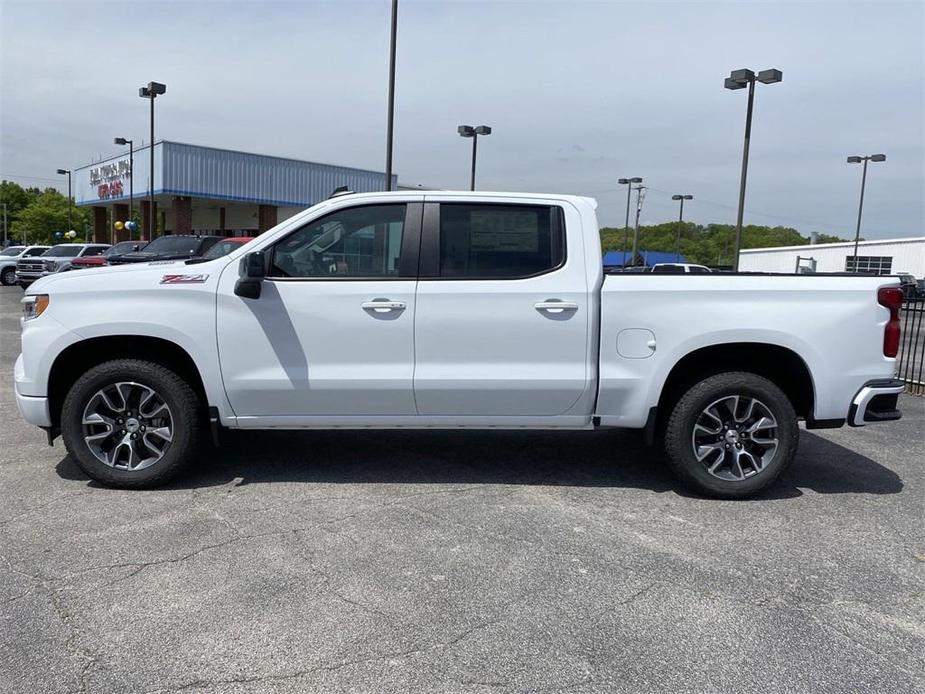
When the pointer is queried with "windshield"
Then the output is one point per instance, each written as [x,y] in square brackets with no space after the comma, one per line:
[13,250]
[62,252]
[124,247]
[173,244]
[222,248]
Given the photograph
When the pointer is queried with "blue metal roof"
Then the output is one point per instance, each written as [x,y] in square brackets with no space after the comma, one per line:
[222,174]
[621,258]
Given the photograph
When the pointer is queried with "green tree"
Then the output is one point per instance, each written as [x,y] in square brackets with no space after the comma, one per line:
[46,214]
[712,244]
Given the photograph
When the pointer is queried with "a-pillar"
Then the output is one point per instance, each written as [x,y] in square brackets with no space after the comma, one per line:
[182,215]
[120,214]
[266,218]
[145,209]
[100,228]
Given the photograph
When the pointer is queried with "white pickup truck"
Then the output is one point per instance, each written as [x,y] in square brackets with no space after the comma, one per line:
[450,310]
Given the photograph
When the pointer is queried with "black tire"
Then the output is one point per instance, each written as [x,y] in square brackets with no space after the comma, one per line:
[8,276]
[690,407]
[184,406]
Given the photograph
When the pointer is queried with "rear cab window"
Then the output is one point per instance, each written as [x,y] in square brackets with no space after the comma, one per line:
[499,240]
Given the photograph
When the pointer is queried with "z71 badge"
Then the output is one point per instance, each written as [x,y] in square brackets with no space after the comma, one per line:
[184,279]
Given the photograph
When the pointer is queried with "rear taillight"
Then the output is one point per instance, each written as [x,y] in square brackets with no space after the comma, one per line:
[891,298]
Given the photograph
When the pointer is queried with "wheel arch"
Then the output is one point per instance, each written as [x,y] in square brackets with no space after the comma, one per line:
[780,365]
[77,358]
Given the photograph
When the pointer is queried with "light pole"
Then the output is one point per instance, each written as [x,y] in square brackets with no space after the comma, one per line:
[639,198]
[739,79]
[151,92]
[628,182]
[6,234]
[682,198]
[68,172]
[131,171]
[473,132]
[857,233]
[391,117]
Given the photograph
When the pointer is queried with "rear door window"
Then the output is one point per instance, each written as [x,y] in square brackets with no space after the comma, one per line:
[499,241]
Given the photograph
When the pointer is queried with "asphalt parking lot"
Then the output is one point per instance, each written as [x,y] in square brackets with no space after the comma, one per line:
[458,562]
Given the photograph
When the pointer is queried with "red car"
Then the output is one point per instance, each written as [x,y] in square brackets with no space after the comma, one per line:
[225,246]
[98,260]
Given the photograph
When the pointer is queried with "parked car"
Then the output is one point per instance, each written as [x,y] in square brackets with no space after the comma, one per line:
[451,310]
[680,269]
[10,256]
[225,246]
[170,247]
[118,249]
[907,284]
[55,259]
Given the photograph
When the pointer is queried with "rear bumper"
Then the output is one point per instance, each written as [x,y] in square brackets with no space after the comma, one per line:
[876,402]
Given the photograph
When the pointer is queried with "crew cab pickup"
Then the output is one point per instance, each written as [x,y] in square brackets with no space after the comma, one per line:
[56,259]
[451,310]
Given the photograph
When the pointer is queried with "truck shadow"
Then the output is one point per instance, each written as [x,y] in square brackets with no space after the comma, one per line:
[576,459]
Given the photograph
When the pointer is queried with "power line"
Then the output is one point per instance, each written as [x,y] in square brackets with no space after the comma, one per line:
[7,176]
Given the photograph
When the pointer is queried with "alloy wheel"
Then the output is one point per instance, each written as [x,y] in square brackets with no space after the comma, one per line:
[735,437]
[128,425]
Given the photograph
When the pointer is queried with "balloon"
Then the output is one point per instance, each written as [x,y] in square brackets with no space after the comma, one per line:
[72,234]
[131,226]
[58,234]
[118,226]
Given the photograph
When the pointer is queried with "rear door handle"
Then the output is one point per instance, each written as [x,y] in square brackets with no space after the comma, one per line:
[382,305]
[555,306]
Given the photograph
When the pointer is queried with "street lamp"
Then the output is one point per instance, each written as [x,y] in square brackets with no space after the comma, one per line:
[682,198]
[739,79]
[131,171]
[858,160]
[626,229]
[68,172]
[473,132]
[151,92]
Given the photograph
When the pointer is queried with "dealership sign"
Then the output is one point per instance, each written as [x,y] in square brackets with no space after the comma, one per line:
[108,178]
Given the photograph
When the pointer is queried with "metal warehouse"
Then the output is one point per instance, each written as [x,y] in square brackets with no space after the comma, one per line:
[207,190]
[882,257]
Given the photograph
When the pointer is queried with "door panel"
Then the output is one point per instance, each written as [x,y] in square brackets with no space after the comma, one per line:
[495,346]
[312,348]
[332,333]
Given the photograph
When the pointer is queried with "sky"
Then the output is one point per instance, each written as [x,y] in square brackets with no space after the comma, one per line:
[578,95]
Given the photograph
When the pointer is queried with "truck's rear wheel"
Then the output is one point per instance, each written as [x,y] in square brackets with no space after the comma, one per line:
[731,435]
[131,424]
[8,276]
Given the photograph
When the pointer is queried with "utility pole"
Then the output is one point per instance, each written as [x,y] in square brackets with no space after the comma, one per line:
[640,196]
[391,117]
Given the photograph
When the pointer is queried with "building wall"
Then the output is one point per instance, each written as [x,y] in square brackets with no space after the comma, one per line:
[908,256]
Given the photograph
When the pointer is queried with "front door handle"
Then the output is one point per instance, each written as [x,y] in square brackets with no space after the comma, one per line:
[383,305]
[555,306]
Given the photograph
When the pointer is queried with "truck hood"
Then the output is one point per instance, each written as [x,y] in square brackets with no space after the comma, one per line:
[130,277]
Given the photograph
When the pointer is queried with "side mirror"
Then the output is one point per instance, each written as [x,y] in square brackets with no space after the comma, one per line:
[252,272]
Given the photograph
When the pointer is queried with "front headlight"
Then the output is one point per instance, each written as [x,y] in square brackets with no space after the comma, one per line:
[34,306]
[50,266]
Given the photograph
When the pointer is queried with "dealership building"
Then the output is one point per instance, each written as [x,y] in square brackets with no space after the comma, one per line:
[881,257]
[204,190]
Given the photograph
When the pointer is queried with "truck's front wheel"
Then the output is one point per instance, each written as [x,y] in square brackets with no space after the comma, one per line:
[731,435]
[131,424]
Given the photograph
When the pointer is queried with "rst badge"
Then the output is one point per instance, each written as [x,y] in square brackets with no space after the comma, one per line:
[184,279]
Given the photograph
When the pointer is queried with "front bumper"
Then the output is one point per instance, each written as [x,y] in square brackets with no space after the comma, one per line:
[33,408]
[876,402]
